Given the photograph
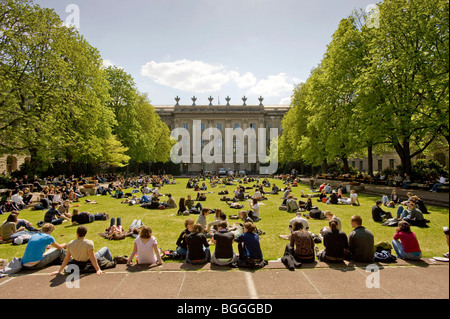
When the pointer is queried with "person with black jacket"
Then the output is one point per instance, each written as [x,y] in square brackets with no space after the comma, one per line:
[223,239]
[336,244]
[181,241]
[197,246]
[378,214]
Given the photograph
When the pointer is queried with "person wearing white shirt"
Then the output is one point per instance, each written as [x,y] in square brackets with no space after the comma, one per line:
[436,186]
[18,200]
[146,247]
[299,218]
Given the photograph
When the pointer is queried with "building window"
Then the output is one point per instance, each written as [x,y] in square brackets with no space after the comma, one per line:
[380,165]
[253,126]
[203,126]
[361,166]
[353,164]
[236,125]
[392,164]
[186,126]
[220,126]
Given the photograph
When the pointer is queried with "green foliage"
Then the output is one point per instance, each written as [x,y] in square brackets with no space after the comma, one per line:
[59,105]
[138,127]
[376,87]
[423,168]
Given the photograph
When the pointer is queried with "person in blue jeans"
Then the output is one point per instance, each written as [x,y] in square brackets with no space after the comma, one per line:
[181,242]
[80,252]
[36,256]
[249,246]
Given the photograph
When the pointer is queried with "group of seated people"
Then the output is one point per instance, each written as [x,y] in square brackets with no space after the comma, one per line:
[411,210]
[193,245]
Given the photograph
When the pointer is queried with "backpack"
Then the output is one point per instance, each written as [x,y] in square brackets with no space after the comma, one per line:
[384,256]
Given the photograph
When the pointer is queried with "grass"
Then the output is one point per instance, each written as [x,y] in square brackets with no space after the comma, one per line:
[167,226]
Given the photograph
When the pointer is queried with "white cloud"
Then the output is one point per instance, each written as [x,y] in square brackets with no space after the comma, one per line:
[108,63]
[285,101]
[189,76]
[201,77]
[243,81]
[274,85]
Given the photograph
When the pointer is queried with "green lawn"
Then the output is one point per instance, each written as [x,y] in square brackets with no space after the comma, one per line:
[167,226]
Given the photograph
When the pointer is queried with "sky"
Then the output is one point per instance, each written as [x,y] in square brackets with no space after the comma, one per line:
[205,48]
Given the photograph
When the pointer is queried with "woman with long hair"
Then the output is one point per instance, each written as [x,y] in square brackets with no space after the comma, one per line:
[405,242]
[335,242]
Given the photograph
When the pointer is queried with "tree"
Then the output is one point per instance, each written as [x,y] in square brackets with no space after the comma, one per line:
[53,89]
[408,73]
[138,125]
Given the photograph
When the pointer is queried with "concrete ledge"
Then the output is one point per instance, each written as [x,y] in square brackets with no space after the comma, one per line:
[273,265]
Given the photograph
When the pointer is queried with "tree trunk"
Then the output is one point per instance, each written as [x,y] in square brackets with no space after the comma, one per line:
[370,159]
[325,166]
[404,152]
[345,162]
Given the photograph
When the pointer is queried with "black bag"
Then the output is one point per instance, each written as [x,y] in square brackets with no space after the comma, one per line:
[384,256]
[289,261]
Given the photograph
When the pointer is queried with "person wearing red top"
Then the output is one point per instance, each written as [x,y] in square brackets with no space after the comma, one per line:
[405,243]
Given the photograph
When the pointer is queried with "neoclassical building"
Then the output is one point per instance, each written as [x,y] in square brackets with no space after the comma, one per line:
[222,117]
[235,116]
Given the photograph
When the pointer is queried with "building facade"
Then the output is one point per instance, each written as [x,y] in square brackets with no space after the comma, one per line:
[11,163]
[222,117]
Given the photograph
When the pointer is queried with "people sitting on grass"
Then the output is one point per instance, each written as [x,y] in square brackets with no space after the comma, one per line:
[198,251]
[171,203]
[202,217]
[146,248]
[405,242]
[360,242]
[224,254]
[255,210]
[301,245]
[190,205]
[250,253]
[336,244]
[378,214]
[37,255]
[64,209]
[219,217]
[53,216]
[181,241]
[352,200]
[411,214]
[333,200]
[13,228]
[298,218]
[80,252]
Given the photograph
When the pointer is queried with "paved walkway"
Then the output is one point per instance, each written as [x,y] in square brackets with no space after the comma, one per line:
[440,199]
[427,279]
